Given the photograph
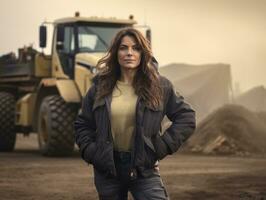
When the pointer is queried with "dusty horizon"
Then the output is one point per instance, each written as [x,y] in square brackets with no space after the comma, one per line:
[193,32]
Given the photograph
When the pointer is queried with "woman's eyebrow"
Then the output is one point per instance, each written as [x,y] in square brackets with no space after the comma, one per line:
[127,45]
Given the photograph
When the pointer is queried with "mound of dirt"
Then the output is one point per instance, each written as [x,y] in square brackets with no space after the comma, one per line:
[232,129]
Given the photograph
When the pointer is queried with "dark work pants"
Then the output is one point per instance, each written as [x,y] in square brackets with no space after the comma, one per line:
[141,188]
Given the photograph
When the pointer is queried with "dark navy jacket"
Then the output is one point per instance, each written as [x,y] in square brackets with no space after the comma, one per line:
[94,137]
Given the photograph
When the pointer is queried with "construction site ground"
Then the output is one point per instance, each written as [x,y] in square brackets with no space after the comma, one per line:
[26,175]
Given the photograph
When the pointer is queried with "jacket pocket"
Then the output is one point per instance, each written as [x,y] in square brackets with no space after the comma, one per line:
[160,147]
[103,156]
[149,153]
[89,152]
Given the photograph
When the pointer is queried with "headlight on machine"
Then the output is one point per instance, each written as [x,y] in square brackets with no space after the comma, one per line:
[91,68]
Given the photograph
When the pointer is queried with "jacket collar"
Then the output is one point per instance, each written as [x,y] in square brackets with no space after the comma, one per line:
[97,103]
[103,101]
[140,104]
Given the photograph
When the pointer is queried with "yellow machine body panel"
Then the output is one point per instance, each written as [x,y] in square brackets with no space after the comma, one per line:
[57,70]
[91,58]
[111,20]
[84,68]
[83,79]
[42,65]
[25,109]
[68,90]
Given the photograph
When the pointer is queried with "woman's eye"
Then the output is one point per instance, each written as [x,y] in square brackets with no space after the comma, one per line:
[136,48]
[122,48]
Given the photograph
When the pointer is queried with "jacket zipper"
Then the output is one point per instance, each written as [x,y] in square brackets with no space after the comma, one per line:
[132,173]
[110,136]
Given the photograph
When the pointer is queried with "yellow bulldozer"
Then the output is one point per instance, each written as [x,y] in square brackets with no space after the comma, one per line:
[43,93]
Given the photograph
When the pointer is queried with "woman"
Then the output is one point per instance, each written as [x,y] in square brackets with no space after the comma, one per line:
[118,129]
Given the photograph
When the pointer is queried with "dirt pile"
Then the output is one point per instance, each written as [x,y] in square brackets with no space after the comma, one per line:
[195,82]
[254,99]
[232,129]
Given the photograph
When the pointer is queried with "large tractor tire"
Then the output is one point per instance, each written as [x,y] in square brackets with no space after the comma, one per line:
[55,126]
[7,122]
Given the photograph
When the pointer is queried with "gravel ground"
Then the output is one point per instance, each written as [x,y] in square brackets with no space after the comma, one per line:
[26,175]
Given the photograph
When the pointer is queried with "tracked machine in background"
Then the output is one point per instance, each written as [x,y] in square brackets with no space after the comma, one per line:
[42,93]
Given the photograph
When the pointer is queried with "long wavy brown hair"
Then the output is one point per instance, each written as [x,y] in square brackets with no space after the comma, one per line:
[146,79]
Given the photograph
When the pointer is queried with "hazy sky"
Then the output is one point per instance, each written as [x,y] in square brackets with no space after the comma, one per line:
[187,31]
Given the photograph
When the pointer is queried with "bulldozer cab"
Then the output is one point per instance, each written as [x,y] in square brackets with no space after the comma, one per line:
[83,36]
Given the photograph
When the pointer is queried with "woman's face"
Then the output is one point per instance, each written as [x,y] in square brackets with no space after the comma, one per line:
[129,53]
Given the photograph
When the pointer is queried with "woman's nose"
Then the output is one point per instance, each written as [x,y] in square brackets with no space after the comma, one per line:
[129,51]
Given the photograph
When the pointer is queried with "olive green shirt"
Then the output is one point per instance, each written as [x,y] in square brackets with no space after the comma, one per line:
[123,108]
